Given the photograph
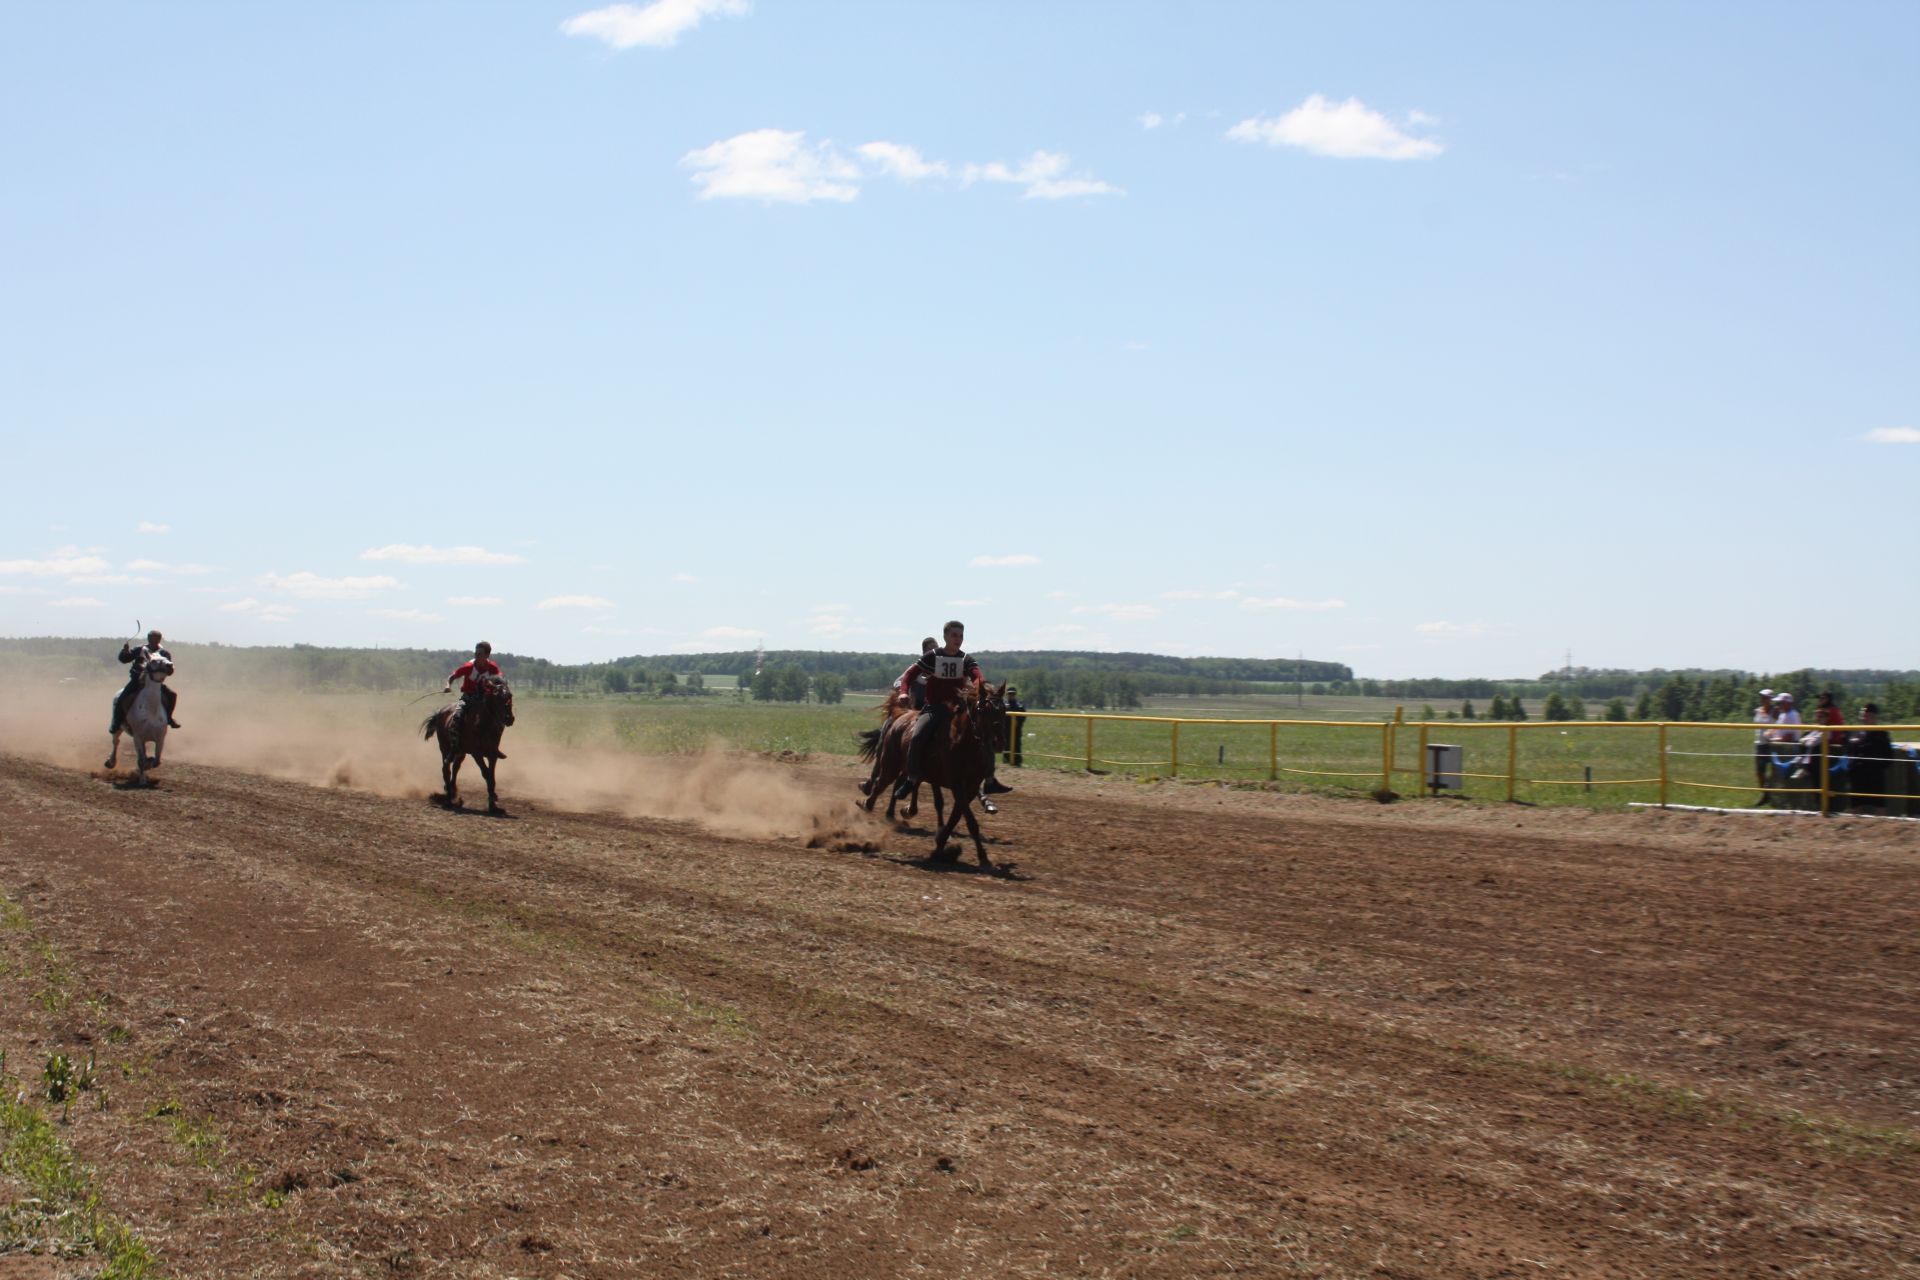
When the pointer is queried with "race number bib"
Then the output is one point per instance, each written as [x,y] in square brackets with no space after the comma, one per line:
[946,668]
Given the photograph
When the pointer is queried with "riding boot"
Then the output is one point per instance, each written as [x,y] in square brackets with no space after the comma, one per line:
[168,698]
[120,702]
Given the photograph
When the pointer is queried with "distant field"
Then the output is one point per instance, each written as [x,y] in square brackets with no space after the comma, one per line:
[1551,764]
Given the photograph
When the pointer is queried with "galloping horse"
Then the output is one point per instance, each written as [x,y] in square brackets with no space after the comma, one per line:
[957,761]
[886,749]
[478,735]
[146,721]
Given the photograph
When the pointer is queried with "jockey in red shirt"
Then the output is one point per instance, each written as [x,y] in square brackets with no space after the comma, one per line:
[469,673]
[947,670]
[912,684]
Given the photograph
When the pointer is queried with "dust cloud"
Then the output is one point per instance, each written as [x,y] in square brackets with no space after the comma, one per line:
[373,742]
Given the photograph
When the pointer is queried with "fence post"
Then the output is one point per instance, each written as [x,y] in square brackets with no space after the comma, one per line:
[1426,782]
[1663,764]
[1386,757]
[1273,751]
[1176,749]
[1089,720]
[1513,757]
[1826,778]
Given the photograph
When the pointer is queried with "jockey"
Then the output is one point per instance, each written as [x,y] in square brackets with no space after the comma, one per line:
[469,673]
[912,689]
[912,684]
[947,671]
[136,655]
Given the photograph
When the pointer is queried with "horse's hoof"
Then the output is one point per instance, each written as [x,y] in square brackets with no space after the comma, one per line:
[946,854]
[495,811]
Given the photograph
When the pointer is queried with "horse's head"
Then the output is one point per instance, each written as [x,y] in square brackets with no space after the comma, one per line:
[499,697]
[158,669]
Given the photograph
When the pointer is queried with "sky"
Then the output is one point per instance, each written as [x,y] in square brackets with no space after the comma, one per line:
[1432,339]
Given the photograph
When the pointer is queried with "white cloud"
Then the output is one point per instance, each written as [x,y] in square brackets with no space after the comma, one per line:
[1043,175]
[658,25]
[1349,130]
[1122,612]
[64,563]
[110,580]
[265,612]
[161,566]
[1284,602]
[475,600]
[728,633]
[1417,118]
[311,586]
[575,602]
[406,554]
[148,526]
[1151,119]
[1454,630]
[773,165]
[1015,561]
[79,602]
[1893,435]
[684,576]
[901,161]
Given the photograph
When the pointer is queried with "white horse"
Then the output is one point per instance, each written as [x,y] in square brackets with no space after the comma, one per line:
[146,721]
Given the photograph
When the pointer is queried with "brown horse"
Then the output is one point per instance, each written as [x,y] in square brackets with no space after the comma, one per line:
[482,722]
[956,760]
[886,749]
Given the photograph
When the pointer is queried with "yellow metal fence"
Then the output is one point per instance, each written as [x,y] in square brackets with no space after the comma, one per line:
[1660,761]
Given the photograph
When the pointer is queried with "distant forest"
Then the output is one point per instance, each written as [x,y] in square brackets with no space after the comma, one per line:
[1046,678]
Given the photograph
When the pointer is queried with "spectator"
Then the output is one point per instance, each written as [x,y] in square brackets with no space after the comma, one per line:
[1826,712]
[1762,753]
[1016,725]
[1784,714]
[1869,749]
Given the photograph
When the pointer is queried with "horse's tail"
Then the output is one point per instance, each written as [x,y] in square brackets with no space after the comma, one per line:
[869,744]
[429,726]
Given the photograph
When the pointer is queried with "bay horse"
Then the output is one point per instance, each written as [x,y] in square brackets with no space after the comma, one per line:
[146,721]
[477,735]
[956,760]
[886,749]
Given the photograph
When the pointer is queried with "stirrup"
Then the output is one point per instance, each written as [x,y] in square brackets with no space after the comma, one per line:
[989,805]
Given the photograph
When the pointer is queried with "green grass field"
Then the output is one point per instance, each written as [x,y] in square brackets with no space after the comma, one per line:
[1551,760]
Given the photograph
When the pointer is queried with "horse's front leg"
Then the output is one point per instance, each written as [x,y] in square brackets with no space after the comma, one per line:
[945,829]
[486,768]
[979,845]
[113,756]
[450,773]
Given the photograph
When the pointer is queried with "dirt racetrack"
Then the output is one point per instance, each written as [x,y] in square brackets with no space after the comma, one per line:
[1206,1033]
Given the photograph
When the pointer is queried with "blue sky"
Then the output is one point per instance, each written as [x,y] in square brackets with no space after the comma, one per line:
[1431,339]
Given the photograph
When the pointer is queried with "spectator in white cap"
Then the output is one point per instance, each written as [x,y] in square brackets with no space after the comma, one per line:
[1762,753]
[1784,714]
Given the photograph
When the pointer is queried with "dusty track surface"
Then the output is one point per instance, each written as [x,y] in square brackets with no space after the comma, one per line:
[1205,1034]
